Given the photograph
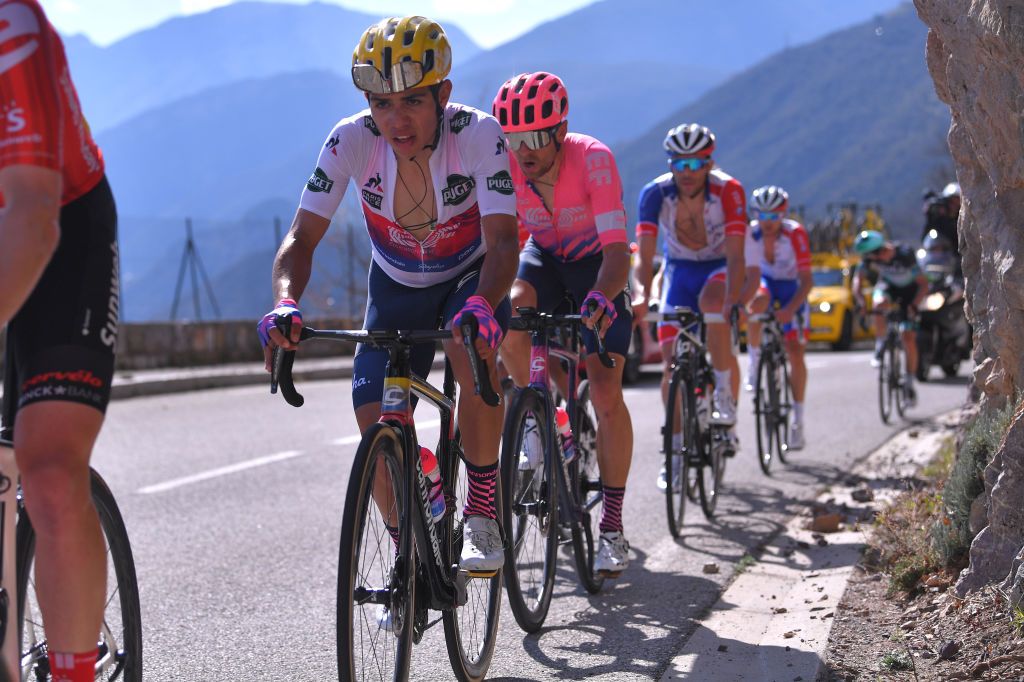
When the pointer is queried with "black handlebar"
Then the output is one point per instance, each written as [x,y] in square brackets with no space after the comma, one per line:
[602,353]
[481,378]
[282,361]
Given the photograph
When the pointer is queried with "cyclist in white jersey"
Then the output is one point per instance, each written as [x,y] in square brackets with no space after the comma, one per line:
[434,185]
[778,257]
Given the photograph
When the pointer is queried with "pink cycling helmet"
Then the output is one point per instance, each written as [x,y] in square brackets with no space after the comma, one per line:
[531,101]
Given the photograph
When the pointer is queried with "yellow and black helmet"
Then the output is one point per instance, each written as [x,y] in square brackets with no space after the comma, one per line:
[399,54]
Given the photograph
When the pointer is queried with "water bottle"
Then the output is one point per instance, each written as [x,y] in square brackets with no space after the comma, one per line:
[568,443]
[435,488]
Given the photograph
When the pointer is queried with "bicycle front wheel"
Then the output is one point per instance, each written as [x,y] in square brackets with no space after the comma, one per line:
[376,586]
[586,491]
[765,415]
[119,654]
[530,509]
[680,417]
[785,407]
[885,385]
[470,629]
[896,383]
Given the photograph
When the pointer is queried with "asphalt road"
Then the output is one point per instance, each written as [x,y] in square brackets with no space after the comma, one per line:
[233,501]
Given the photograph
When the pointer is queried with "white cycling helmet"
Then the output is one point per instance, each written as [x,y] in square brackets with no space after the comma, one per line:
[769,199]
[951,190]
[690,138]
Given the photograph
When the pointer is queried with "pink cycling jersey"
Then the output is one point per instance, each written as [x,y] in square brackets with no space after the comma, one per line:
[587,213]
[725,213]
[792,251]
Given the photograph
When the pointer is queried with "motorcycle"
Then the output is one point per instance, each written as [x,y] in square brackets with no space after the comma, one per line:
[943,337]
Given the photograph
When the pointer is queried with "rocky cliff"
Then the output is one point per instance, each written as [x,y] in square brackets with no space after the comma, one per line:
[975,54]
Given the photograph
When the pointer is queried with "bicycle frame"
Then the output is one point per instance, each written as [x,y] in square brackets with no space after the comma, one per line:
[11,647]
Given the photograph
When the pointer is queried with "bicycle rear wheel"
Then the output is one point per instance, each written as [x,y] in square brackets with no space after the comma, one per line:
[682,406]
[765,411]
[896,383]
[470,629]
[585,487]
[376,586]
[784,407]
[120,637]
[530,509]
[885,387]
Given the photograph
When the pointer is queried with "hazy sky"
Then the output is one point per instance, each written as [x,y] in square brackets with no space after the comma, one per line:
[489,22]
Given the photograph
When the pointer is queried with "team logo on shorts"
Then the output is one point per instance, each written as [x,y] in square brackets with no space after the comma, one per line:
[460,121]
[319,182]
[501,182]
[459,187]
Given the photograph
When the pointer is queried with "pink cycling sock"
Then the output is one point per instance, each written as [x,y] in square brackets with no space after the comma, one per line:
[611,517]
[482,482]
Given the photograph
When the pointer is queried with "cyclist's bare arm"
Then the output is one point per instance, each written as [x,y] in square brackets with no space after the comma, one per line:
[802,291]
[293,264]
[922,289]
[501,235]
[29,231]
[613,275]
[645,267]
[735,263]
[751,283]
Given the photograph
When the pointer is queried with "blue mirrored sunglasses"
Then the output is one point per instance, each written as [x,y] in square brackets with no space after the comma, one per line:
[690,164]
[773,215]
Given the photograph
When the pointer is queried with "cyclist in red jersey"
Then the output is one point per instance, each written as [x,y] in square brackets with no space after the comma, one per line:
[57,235]
[569,200]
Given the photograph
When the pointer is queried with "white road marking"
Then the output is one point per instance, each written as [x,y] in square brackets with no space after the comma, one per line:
[257,462]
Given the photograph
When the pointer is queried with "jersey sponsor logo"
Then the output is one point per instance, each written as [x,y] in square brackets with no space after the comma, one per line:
[502,147]
[599,168]
[332,143]
[459,187]
[14,118]
[373,183]
[17,21]
[108,334]
[372,199]
[501,182]
[369,124]
[460,121]
[319,182]
[78,376]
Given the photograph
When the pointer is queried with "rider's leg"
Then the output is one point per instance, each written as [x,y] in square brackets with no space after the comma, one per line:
[797,368]
[53,443]
[515,349]
[726,366]
[615,428]
[910,346]
[758,306]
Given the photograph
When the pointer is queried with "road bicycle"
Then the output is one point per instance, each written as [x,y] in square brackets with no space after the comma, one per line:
[386,593]
[696,467]
[773,394]
[544,493]
[119,641]
[892,385]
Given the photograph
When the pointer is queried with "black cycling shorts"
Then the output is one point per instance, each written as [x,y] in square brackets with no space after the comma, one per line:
[60,344]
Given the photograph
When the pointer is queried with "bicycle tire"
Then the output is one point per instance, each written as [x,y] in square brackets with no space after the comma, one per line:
[586,491]
[785,407]
[363,523]
[712,468]
[897,383]
[679,394]
[764,422]
[120,651]
[470,640]
[529,513]
[884,391]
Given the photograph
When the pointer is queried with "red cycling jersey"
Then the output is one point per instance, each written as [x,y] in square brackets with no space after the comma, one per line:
[40,115]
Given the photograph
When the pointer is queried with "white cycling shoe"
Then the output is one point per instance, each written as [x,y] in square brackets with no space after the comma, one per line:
[532,454]
[677,475]
[724,412]
[384,618]
[796,436]
[483,552]
[612,554]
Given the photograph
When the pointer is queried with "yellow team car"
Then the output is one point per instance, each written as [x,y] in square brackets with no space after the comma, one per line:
[833,318]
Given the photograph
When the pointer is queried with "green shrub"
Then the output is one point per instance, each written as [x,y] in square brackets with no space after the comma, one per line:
[951,534]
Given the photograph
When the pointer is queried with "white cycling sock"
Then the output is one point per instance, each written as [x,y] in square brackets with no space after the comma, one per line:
[798,412]
[677,442]
[755,354]
[879,345]
[723,381]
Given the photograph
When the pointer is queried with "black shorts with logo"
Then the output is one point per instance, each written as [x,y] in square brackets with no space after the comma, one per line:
[390,305]
[60,344]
